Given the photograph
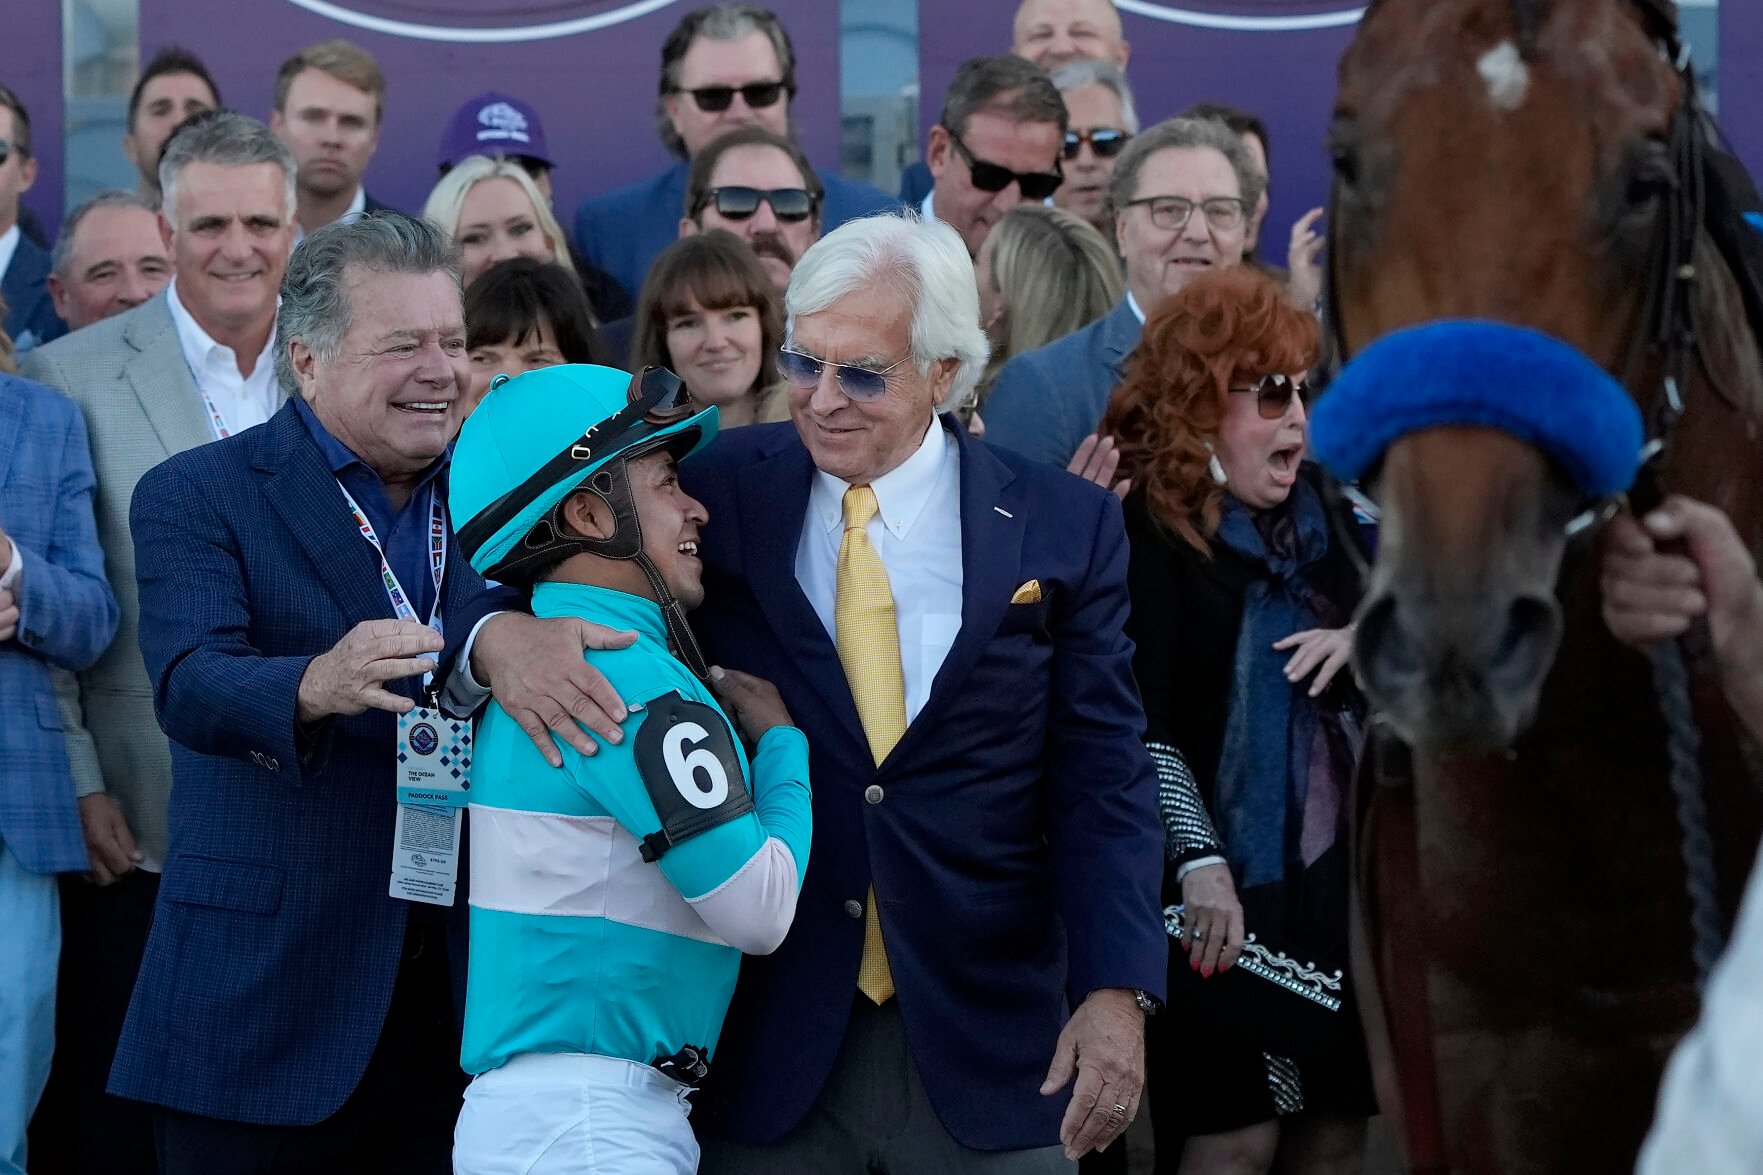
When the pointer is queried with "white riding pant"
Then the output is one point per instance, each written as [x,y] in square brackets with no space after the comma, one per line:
[574,1114]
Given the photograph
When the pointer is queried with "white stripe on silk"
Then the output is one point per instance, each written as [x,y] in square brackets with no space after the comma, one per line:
[548,864]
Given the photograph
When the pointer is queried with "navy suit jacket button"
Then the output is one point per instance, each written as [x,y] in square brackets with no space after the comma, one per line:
[854,908]
[873,793]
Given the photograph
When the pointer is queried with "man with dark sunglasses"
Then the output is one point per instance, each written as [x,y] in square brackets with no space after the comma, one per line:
[1103,119]
[756,184]
[997,143]
[723,67]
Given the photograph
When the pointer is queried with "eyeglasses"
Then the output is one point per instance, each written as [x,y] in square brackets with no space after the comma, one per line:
[1224,213]
[993,177]
[791,205]
[859,383]
[716,99]
[1105,141]
[1273,395]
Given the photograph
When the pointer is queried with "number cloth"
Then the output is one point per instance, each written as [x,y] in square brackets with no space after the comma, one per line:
[869,648]
[577,944]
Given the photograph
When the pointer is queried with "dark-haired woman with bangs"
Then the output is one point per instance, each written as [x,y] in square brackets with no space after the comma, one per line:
[1241,599]
[521,315]
[710,314]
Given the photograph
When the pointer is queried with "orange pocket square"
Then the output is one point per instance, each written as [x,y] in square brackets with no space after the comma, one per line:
[1028,593]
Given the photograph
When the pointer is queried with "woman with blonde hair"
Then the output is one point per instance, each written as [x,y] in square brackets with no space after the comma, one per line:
[1043,273]
[710,314]
[493,211]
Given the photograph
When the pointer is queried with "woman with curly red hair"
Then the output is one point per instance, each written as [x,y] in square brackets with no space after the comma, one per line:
[1240,605]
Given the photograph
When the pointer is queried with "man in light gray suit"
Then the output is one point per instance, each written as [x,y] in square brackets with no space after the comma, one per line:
[193,364]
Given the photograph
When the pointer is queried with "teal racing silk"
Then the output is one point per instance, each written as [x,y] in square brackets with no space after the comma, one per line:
[612,897]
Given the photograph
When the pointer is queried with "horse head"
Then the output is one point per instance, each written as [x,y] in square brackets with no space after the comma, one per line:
[1508,162]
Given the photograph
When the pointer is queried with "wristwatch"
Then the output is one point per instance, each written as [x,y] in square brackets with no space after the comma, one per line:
[1147,1004]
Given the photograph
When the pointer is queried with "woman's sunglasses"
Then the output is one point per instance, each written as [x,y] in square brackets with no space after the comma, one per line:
[994,177]
[790,205]
[716,99]
[1273,395]
[1105,141]
[859,383]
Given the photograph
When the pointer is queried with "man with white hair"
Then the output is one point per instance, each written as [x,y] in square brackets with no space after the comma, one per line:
[979,940]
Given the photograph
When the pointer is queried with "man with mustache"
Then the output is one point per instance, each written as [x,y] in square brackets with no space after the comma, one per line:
[329,101]
[756,184]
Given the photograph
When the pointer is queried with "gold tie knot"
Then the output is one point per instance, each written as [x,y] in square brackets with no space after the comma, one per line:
[860,507]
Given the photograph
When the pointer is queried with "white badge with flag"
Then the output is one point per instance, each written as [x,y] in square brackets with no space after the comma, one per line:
[433,751]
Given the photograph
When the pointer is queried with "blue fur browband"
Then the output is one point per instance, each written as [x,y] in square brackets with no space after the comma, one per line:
[1493,374]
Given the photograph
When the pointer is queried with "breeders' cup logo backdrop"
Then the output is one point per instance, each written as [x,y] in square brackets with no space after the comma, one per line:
[587,67]
[1269,16]
[475,22]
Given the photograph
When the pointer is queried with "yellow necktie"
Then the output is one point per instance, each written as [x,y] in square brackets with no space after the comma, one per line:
[868,637]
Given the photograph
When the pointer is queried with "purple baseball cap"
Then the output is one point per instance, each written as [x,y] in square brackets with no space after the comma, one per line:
[494,124]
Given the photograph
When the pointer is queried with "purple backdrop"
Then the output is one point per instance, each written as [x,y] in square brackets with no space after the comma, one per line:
[1287,76]
[594,89]
[1741,90]
[30,66]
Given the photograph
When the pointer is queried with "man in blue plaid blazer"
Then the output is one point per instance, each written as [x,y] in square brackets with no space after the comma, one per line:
[55,609]
[291,1014]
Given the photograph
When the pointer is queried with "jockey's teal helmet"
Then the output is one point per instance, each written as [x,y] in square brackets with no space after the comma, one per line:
[539,437]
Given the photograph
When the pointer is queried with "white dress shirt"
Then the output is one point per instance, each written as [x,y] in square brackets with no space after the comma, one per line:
[8,246]
[917,534]
[242,401]
[14,567]
[351,214]
[1132,304]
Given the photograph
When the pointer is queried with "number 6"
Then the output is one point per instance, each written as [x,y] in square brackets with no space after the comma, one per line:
[683,768]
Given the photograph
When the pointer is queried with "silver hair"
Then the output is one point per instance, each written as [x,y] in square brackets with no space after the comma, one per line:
[926,262]
[315,289]
[1075,75]
[227,139]
[108,198]
[1185,134]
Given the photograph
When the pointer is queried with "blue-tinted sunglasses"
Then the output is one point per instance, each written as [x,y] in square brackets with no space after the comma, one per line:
[859,383]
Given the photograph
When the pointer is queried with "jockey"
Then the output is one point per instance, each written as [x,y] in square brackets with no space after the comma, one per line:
[611,897]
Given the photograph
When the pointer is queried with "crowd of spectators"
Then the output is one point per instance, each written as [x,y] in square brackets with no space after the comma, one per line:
[233,597]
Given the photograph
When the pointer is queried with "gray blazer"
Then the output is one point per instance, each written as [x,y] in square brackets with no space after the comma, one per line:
[1044,402]
[129,376]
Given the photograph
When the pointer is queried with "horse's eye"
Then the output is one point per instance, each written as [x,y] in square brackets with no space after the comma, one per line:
[1650,176]
[1343,150]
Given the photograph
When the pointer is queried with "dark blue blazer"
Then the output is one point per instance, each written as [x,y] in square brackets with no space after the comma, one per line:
[31,320]
[274,945]
[1015,851]
[1044,402]
[66,617]
[621,231]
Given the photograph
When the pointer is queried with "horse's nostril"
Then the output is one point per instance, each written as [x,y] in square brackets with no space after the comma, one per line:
[1533,626]
[1383,649]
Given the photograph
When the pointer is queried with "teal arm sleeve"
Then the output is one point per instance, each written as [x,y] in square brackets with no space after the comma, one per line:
[781,794]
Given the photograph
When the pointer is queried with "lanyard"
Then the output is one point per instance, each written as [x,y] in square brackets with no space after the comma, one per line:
[401,604]
[216,421]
